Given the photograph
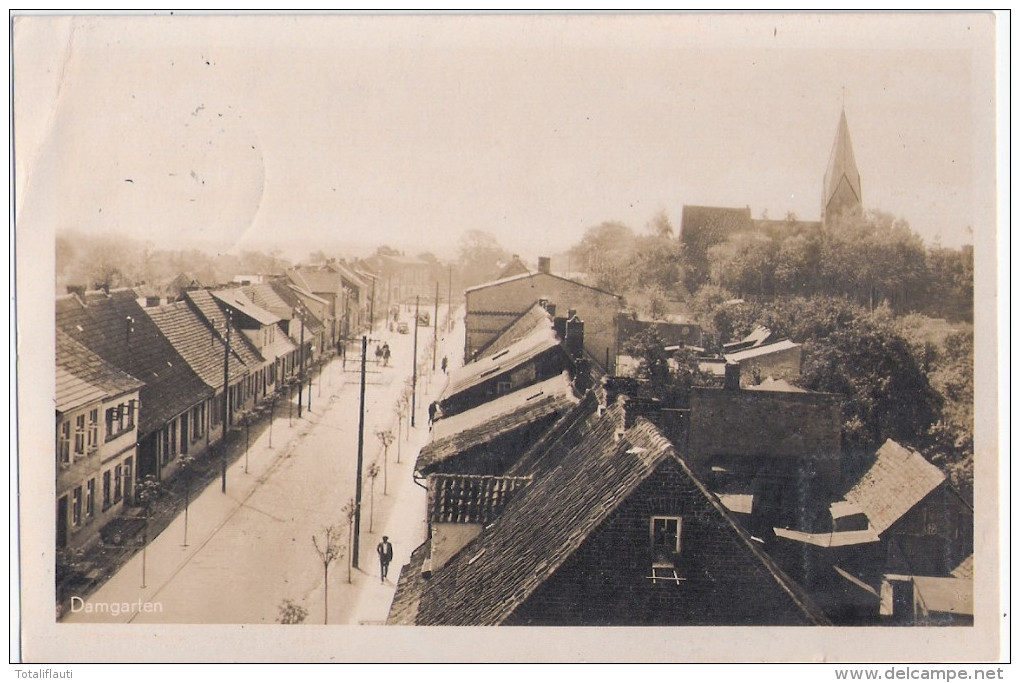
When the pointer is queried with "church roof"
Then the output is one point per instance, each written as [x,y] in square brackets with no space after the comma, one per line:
[842,168]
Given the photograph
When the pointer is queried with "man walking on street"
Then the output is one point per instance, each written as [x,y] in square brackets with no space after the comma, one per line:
[385,551]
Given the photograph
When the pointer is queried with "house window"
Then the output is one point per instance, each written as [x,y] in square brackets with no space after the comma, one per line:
[665,539]
[64,443]
[502,388]
[106,489]
[118,474]
[79,436]
[90,498]
[93,430]
[127,477]
[76,505]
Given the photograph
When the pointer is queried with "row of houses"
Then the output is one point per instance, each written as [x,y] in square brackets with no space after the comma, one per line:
[141,381]
[561,494]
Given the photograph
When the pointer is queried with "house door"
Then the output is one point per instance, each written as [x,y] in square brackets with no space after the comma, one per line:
[62,522]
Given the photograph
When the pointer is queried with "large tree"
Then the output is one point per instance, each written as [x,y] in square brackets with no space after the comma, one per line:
[480,257]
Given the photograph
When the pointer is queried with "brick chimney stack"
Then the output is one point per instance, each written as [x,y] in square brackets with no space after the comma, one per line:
[732,377]
[544,265]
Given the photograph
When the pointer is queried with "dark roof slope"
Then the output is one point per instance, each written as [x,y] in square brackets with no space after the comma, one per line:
[198,344]
[206,305]
[100,324]
[83,377]
[470,498]
[537,276]
[546,522]
[480,370]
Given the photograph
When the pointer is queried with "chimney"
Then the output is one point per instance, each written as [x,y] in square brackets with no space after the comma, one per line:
[544,265]
[573,339]
[151,301]
[636,406]
[732,377]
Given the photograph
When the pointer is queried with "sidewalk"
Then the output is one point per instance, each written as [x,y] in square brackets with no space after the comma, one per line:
[402,516]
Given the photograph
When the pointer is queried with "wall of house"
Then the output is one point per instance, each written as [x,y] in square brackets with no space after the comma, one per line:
[785,433]
[490,310]
[607,580]
[448,538]
[945,520]
[783,364]
[113,455]
[671,333]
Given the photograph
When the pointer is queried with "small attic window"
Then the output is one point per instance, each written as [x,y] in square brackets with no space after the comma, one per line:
[490,371]
[501,354]
[534,396]
[480,553]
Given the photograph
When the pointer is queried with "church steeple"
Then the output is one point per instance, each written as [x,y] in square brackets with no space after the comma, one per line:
[841,191]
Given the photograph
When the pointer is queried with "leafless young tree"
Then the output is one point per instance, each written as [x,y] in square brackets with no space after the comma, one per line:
[330,549]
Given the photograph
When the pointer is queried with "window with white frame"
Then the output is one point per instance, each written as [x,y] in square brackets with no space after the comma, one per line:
[90,498]
[93,434]
[79,435]
[665,534]
[118,476]
[107,489]
[64,443]
[76,506]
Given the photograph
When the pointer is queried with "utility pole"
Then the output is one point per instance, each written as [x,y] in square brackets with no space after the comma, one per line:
[414,367]
[371,309]
[301,368]
[449,299]
[226,405]
[361,456]
[435,328]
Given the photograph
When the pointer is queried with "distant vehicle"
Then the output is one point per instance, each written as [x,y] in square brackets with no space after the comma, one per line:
[402,327]
[424,319]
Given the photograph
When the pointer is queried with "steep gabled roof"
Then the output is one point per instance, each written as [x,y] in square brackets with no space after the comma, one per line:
[496,418]
[712,223]
[478,371]
[548,520]
[267,298]
[898,480]
[842,168]
[316,279]
[526,323]
[83,377]
[538,275]
[99,322]
[200,346]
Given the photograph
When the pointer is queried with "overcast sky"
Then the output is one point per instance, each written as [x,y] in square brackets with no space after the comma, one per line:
[250,132]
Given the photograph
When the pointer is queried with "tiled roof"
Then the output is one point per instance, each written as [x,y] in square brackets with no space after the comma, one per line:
[237,300]
[83,377]
[493,419]
[289,293]
[965,570]
[200,346]
[537,276]
[347,273]
[565,434]
[833,539]
[267,298]
[206,305]
[470,498]
[548,520]
[532,319]
[280,346]
[171,386]
[898,480]
[477,371]
[758,351]
[316,279]
[410,585]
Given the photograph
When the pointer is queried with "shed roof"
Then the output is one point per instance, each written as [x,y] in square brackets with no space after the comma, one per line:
[496,418]
[759,351]
[83,377]
[239,301]
[99,322]
[899,479]
[534,318]
[478,371]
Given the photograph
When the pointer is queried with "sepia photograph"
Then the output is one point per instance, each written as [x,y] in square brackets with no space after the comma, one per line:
[655,335]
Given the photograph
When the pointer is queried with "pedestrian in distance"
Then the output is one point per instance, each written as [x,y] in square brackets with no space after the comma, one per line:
[385,551]
[378,353]
[444,364]
[386,354]
[433,410]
